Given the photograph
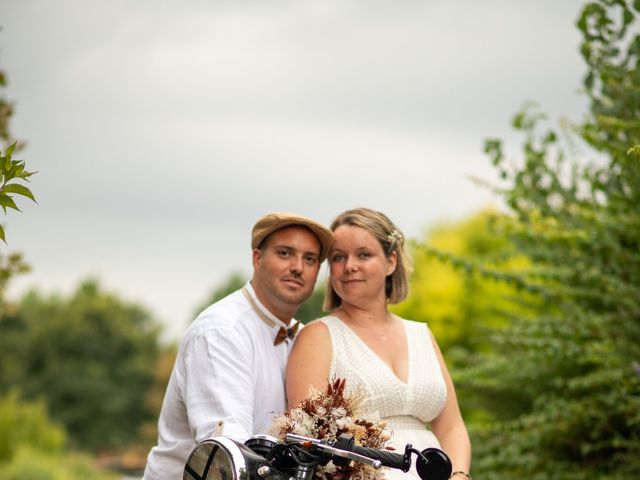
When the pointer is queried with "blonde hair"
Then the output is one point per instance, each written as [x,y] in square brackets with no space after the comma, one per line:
[391,240]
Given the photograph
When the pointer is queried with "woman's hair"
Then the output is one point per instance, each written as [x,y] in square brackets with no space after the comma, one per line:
[390,238]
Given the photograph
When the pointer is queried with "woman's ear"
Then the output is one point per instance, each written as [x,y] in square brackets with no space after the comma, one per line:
[392,261]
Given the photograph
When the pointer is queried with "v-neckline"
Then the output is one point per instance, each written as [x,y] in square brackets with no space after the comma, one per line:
[377,357]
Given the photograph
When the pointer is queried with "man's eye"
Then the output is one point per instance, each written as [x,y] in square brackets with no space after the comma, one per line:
[283,253]
[310,259]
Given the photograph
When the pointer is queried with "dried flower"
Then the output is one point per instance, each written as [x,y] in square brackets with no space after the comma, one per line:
[327,415]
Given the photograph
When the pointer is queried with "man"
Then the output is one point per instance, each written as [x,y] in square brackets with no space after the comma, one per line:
[228,378]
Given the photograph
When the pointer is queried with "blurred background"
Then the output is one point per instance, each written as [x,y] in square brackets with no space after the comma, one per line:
[161,131]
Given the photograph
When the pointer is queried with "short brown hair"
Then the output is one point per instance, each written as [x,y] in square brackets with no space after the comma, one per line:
[391,239]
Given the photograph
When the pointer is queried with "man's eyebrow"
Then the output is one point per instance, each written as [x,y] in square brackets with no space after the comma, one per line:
[290,247]
[282,245]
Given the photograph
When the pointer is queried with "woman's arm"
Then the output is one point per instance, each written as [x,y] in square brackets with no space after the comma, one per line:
[309,362]
[449,426]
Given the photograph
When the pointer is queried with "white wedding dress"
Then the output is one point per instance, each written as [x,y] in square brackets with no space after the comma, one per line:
[407,407]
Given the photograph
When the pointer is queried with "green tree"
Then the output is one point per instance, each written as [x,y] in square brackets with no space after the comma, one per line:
[459,308]
[89,357]
[6,111]
[32,446]
[27,424]
[464,306]
[12,172]
[12,178]
[577,362]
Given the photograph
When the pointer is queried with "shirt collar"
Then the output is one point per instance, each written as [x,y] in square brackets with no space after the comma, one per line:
[261,310]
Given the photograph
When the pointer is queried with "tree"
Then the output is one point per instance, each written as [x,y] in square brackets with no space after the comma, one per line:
[89,357]
[463,305]
[6,111]
[32,446]
[12,177]
[579,224]
[460,308]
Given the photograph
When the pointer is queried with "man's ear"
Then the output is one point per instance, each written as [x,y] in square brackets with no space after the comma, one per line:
[256,257]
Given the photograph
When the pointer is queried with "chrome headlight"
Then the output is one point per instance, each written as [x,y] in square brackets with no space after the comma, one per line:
[220,458]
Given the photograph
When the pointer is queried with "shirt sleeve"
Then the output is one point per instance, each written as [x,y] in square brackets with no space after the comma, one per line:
[219,385]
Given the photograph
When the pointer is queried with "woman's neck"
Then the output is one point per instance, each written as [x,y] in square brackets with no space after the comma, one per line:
[370,315]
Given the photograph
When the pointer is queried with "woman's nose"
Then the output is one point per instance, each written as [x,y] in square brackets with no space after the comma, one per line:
[350,266]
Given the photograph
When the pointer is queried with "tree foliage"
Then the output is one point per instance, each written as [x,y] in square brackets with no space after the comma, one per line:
[460,309]
[13,173]
[27,424]
[577,361]
[12,178]
[33,446]
[464,303]
[89,357]
[6,111]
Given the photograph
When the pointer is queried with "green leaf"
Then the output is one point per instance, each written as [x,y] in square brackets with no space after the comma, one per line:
[7,201]
[634,151]
[2,234]
[25,175]
[10,150]
[18,189]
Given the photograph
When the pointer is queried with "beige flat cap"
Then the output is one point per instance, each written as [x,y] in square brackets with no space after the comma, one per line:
[273,221]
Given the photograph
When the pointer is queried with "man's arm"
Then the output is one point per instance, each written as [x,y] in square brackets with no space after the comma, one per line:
[219,384]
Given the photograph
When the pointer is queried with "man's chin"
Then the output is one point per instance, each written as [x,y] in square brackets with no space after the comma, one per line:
[295,297]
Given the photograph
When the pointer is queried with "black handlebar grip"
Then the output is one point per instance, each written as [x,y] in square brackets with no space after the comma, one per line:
[388,459]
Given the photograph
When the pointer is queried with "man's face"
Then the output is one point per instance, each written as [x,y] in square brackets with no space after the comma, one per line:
[285,270]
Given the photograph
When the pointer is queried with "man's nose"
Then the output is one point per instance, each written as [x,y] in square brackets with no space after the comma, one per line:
[297,264]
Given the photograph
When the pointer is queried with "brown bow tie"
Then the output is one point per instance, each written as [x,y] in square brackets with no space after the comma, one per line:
[285,333]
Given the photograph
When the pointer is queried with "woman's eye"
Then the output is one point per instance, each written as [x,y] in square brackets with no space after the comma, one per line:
[337,258]
[364,255]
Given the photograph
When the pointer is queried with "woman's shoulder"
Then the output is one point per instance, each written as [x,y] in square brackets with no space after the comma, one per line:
[312,337]
[314,328]
[327,319]
[321,328]
[414,324]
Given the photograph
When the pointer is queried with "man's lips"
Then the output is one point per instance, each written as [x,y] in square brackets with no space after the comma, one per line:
[293,281]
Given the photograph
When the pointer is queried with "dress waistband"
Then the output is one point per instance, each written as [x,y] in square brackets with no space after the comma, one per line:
[405,422]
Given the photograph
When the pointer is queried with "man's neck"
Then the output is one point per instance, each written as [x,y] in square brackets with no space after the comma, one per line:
[284,312]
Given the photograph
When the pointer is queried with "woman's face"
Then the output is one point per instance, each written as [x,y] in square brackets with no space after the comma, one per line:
[359,266]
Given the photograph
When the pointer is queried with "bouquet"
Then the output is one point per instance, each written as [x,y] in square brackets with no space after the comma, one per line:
[326,415]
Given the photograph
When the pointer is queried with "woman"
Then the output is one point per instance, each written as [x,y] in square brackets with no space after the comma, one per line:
[397,362]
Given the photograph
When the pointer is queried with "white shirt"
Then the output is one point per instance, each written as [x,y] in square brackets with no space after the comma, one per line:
[228,379]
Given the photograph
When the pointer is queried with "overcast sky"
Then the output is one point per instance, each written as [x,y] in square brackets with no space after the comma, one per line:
[162,130]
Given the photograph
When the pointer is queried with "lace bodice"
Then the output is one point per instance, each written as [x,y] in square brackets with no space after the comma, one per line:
[422,397]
